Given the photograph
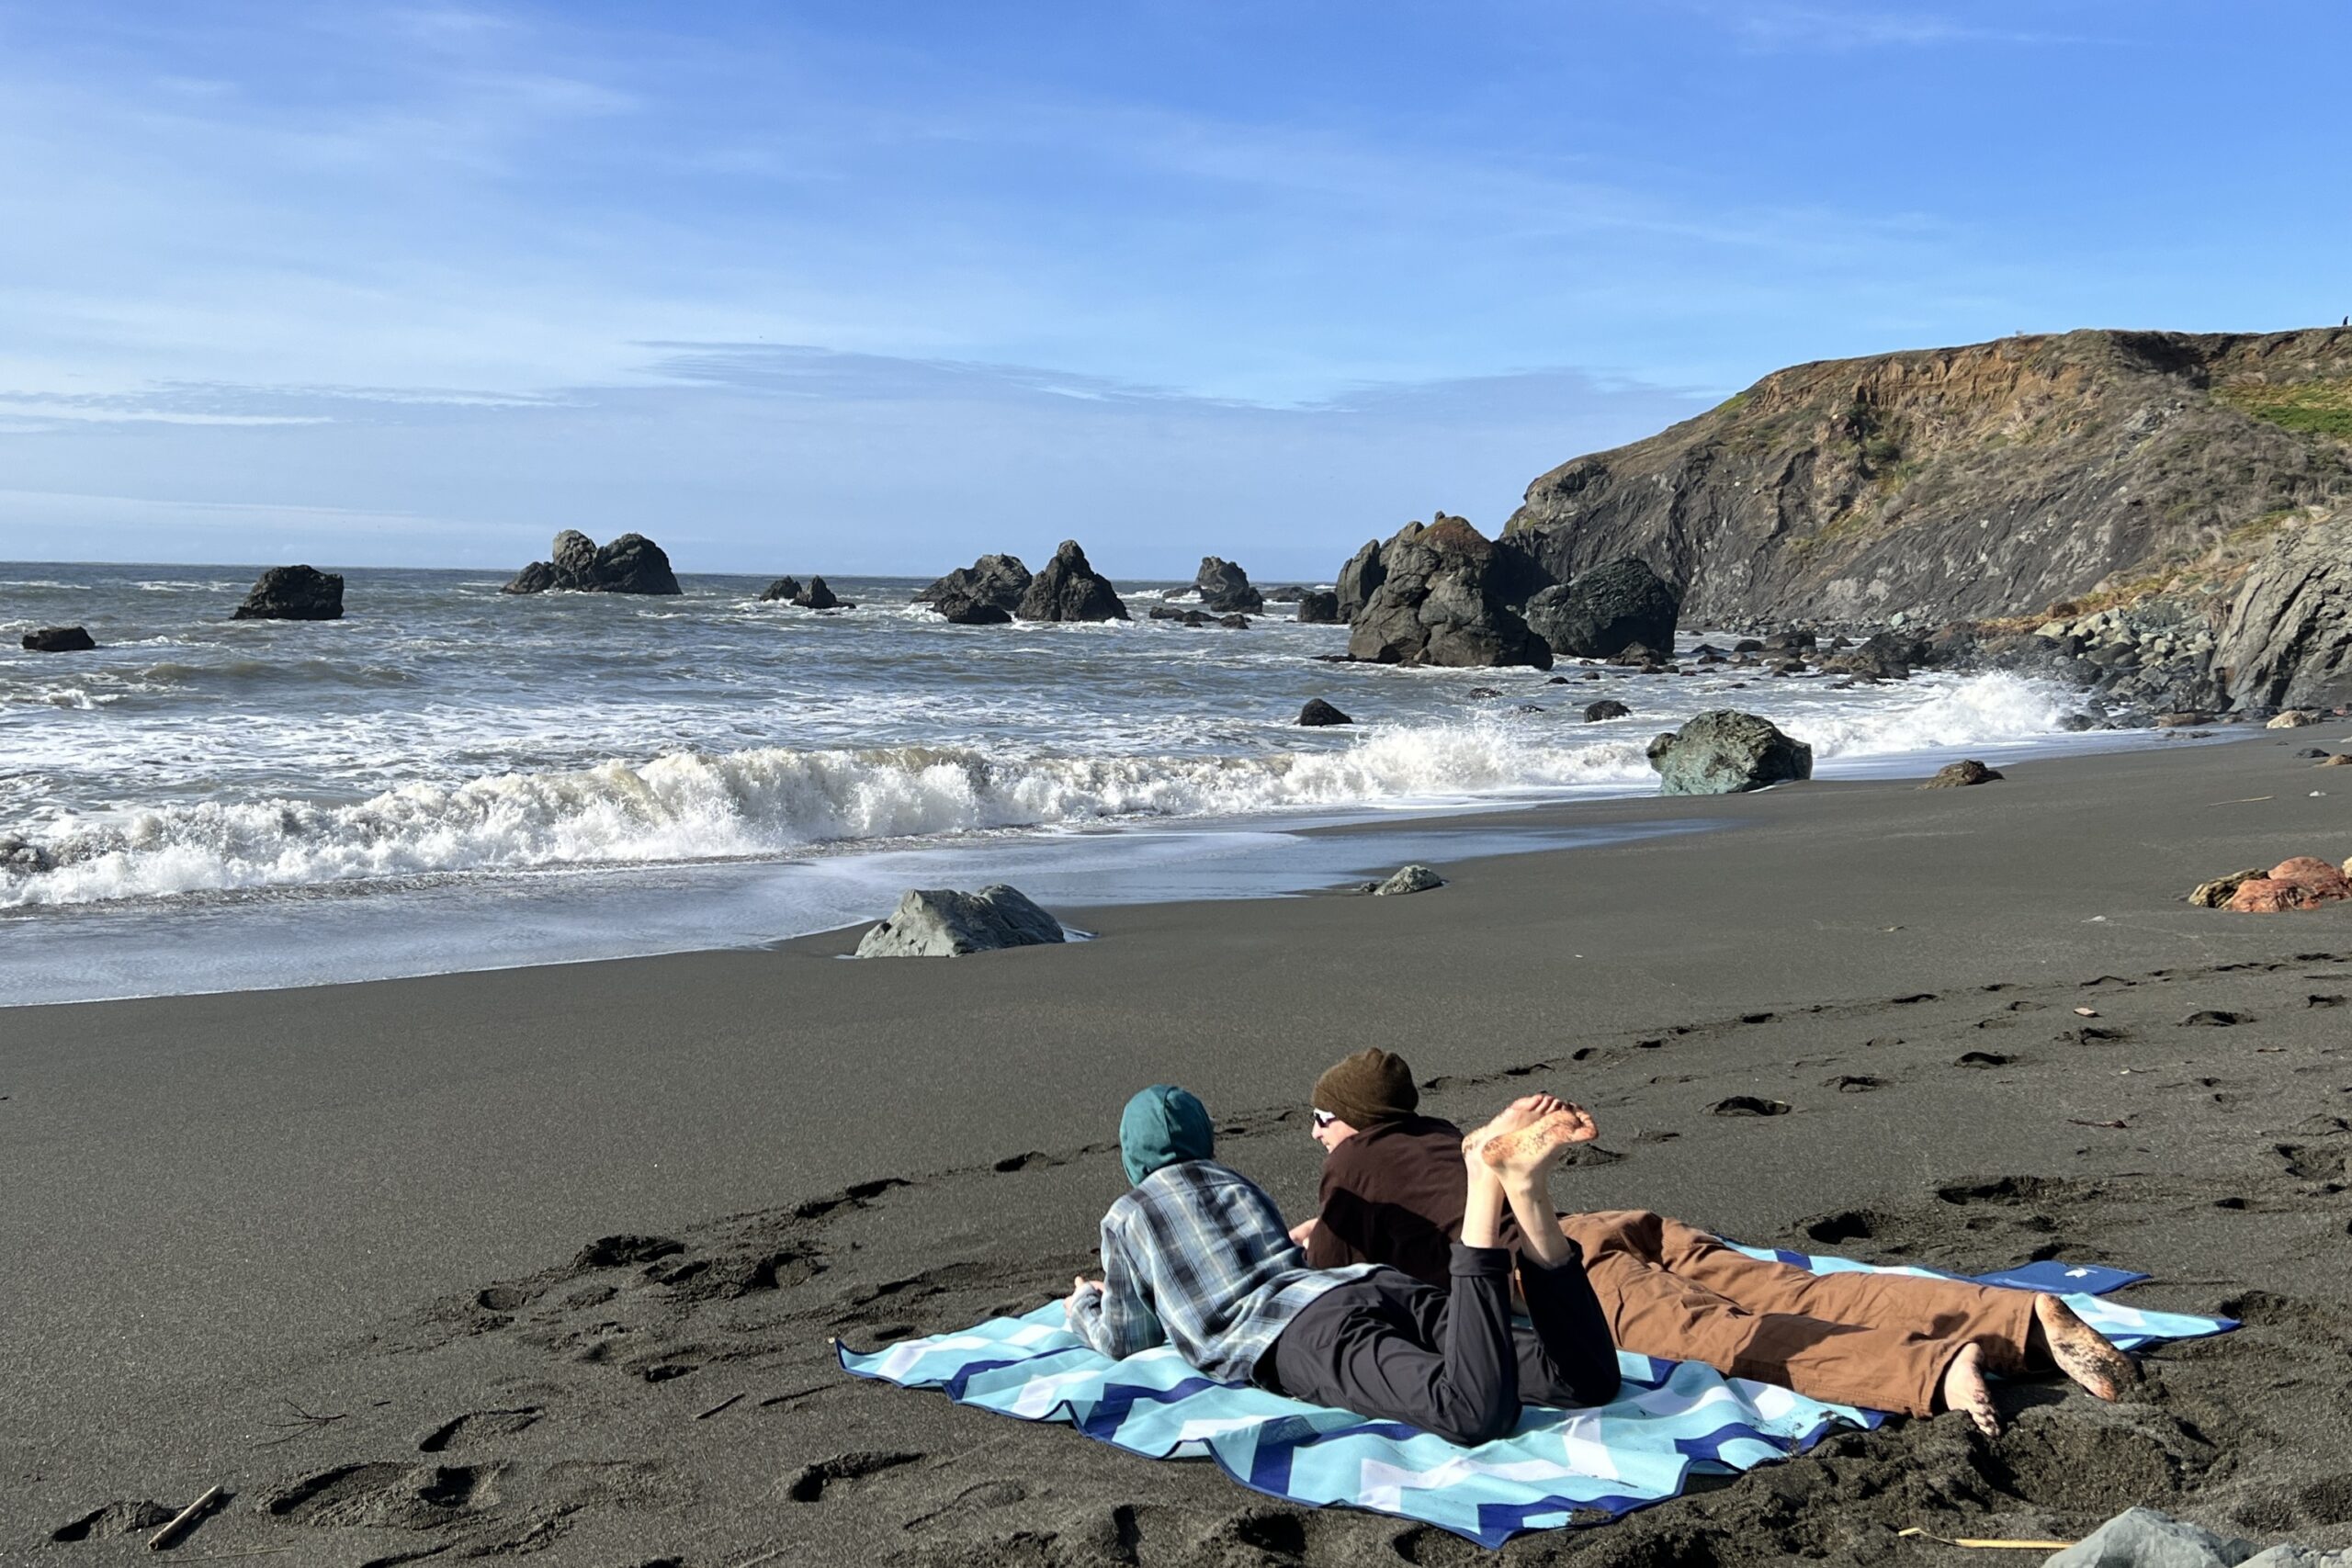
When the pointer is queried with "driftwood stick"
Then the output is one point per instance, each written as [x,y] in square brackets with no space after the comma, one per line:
[185,1520]
[718,1407]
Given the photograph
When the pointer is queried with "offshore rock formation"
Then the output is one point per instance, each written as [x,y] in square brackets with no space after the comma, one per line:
[1990,480]
[1070,590]
[1606,611]
[1444,598]
[58,639]
[998,581]
[630,564]
[293,593]
[1225,588]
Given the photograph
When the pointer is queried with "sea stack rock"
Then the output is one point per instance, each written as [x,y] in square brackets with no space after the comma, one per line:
[1441,601]
[1606,611]
[60,639]
[817,596]
[294,593]
[940,922]
[998,580]
[1225,588]
[783,591]
[1319,608]
[1726,752]
[1360,579]
[630,564]
[1070,590]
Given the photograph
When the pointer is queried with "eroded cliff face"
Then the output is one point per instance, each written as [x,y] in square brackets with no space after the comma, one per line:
[1974,482]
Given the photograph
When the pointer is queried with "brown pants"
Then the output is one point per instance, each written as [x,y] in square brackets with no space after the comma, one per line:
[1882,1341]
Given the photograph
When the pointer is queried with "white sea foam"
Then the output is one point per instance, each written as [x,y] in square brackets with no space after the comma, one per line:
[766,801]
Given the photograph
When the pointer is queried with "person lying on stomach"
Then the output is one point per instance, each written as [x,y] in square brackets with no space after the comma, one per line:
[1195,1256]
[1394,1191]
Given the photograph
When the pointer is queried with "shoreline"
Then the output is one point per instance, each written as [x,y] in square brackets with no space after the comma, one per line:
[314,1194]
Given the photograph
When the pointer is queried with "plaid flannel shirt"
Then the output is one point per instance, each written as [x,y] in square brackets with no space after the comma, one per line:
[1195,1256]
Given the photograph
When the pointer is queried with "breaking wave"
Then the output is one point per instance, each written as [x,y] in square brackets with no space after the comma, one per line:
[695,806]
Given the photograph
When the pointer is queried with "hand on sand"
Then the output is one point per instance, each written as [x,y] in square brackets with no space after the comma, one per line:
[2082,1353]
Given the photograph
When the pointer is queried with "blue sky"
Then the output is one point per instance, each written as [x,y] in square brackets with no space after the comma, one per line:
[874,288]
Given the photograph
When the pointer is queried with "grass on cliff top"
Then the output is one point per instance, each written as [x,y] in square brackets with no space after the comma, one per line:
[2309,408]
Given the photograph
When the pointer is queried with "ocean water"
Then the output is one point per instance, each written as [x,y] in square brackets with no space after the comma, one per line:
[571,775]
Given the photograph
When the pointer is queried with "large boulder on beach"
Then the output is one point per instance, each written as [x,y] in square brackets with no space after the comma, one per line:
[1606,610]
[60,639]
[940,922]
[1225,588]
[1000,580]
[1442,601]
[1318,607]
[1069,588]
[294,593]
[1407,879]
[2286,641]
[2303,882]
[1962,774]
[1359,580]
[1723,751]
[630,564]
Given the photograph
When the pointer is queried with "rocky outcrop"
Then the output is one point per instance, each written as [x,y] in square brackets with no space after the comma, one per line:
[630,564]
[993,579]
[958,611]
[1225,588]
[294,593]
[1069,589]
[1359,580]
[2286,640]
[1600,614]
[1885,656]
[1289,593]
[1318,713]
[60,639]
[1973,482]
[783,591]
[1726,752]
[1442,600]
[1962,774]
[940,922]
[819,597]
[1317,607]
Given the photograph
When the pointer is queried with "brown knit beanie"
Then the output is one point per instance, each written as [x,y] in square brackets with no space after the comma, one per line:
[1368,1087]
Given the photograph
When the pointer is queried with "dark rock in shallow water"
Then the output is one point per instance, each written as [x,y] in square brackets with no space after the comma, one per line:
[1359,580]
[1069,589]
[1607,707]
[1225,588]
[1319,712]
[783,591]
[1606,610]
[1441,602]
[940,922]
[25,858]
[959,611]
[1289,593]
[819,597]
[1317,608]
[294,593]
[1959,775]
[630,564]
[1888,656]
[1726,752]
[1234,623]
[993,579]
[60,639]
[1481,693]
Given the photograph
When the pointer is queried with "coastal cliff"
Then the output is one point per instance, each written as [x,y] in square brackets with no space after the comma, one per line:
[1980,482]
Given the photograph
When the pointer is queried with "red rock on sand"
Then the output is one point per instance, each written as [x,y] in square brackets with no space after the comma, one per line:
[2304,882]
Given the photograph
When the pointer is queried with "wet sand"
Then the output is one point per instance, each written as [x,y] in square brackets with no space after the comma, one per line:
[389,1206]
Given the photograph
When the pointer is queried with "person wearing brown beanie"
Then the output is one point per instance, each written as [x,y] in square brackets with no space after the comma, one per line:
[1394,1191]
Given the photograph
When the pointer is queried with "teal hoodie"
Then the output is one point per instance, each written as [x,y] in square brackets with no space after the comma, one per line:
[1161,1125]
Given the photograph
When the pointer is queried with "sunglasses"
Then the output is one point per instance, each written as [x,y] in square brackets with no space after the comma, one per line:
[1323,1119]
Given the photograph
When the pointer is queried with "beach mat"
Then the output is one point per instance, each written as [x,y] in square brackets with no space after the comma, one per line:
[1671,1420]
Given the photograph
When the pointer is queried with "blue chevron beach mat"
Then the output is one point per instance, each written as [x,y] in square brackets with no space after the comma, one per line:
[1672,1420]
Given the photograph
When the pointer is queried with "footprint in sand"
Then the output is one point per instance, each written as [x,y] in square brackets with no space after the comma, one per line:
[386,1496]
[1749,1105]
[1982,1059]
[2214,1018]
[475,1425]
[1853,1083]
[809,1482]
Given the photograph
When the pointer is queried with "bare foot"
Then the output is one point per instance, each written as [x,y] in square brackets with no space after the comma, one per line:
[1530,1149]
[2082,1353]
[1521,1112]
[1965,1390]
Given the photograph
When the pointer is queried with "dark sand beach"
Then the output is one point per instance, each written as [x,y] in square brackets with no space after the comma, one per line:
[547,1261]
